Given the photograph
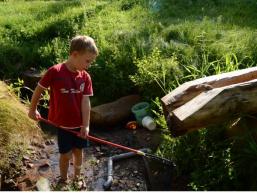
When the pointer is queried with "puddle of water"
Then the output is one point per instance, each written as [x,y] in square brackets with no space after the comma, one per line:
[98,185]
[89,164]
[94,171]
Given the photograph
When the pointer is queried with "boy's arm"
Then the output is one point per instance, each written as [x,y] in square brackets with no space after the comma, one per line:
[33,113]
[85,109]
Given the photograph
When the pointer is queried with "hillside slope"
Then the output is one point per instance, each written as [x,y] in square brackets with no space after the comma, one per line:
[17,131]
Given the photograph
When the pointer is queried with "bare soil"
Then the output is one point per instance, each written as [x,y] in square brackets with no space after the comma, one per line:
[128,174]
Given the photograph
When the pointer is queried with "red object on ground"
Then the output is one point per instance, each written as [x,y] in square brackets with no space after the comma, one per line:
[131,125]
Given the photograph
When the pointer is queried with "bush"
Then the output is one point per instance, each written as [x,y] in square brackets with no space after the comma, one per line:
[156,75]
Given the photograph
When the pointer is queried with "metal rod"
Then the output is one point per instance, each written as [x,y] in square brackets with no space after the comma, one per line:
[107,184]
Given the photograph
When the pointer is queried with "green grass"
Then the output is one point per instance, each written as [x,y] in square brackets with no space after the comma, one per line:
[147,47]
[197,33]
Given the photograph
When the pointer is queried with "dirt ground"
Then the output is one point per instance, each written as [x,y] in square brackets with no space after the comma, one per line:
[128,174]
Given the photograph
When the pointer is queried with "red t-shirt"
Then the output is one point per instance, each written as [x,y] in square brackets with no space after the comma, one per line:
[66,91]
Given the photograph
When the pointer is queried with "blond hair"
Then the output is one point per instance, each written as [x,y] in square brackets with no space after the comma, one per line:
[82,43]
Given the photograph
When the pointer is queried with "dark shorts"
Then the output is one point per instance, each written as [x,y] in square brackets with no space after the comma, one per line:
[67,141]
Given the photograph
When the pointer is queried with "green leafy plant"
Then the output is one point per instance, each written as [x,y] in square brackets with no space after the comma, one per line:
[156,108]
[16,86]
[153,70]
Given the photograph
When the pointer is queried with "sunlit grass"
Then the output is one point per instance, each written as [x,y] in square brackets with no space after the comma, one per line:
[17,130]
[194,39]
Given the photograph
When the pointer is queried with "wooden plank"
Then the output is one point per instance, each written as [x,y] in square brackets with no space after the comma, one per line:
[189,90]
[214,106]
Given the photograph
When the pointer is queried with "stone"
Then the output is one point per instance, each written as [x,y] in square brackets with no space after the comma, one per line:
[43,184]
[98,148]
[30,165]
[31,78]
[10,182]
[116,167]
[115,182]
[49,142]
[27,183]
[25,157]
[22,186]
[44,167]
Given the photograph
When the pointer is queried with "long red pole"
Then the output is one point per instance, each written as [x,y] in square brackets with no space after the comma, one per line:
[95,139]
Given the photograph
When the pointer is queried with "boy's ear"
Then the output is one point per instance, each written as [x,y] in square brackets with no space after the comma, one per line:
[74,53]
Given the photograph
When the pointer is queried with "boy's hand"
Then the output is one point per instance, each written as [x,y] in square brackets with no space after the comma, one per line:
[84,131]
[34,115]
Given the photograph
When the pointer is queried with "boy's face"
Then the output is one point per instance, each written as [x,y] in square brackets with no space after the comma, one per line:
[83,60]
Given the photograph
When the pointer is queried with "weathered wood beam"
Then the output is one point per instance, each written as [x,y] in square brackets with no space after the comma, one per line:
[189,90]
[213,107]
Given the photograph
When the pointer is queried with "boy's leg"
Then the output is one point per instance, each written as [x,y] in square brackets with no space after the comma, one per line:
[64,164]
[77,157]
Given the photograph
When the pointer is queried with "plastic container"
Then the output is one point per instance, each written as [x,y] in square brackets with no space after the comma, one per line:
[140,110]
[148,123]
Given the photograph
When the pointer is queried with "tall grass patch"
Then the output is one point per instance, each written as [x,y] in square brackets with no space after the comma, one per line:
[36,34]
[17,130]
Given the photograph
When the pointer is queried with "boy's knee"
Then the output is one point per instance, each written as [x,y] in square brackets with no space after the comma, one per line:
[66,156]
[77,151]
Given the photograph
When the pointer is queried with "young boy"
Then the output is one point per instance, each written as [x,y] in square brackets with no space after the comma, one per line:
[70,88]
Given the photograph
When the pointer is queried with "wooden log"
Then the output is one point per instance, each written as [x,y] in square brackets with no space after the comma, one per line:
[189,90]
[110,114]
[213,107]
